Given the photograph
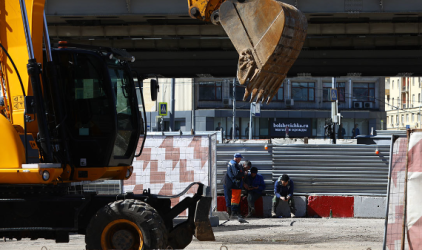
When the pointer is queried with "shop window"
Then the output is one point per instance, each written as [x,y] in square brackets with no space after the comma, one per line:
[303,91]
[210,91]
[364,92]
[280,94]
[263,128]
[240,92]
[341,91]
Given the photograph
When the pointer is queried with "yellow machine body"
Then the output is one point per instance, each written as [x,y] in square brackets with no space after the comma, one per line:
[13,168]
[12,37]
[12,153]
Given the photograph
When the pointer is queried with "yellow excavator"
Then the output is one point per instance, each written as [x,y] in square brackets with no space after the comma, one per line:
[70,114]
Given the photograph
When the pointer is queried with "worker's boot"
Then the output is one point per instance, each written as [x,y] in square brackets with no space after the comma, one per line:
[273,213]
[251,213]
[233,215]
[229,211]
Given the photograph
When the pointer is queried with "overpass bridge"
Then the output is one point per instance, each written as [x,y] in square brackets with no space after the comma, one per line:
[345,37]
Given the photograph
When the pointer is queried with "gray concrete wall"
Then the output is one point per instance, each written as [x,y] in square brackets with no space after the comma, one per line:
[283,208]
[369,207]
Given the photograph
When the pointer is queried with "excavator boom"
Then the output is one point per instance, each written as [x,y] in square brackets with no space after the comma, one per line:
[267,34]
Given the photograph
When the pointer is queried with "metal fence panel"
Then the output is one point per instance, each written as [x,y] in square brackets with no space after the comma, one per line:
[334,169]
[213,170]
[391,132]
[316,169]
[255,152]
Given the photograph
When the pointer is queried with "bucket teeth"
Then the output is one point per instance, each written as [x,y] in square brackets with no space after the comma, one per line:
[268,44]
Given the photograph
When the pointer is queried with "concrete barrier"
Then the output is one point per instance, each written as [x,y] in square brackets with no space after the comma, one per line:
[284,210]
[320,206]
[369,207]
[223,216]
[335,206]
[267,202]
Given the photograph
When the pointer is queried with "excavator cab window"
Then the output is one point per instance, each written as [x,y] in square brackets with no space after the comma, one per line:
[125,95]
[89,107]
[101,106]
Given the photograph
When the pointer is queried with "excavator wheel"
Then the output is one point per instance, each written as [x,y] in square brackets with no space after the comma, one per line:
[126,224]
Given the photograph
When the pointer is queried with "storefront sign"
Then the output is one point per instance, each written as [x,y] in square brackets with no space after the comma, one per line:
[298,128]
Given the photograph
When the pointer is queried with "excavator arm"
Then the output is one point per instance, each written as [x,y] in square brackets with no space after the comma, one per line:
[267,34]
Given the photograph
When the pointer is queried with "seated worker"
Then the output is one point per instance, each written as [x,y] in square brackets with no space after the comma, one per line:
[255,185]
[283,190]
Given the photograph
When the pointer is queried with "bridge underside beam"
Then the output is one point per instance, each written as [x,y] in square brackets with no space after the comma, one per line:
[180,7]
[313,63]
[156,31]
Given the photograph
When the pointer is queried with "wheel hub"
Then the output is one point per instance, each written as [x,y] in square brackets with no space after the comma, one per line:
[123,239]
[122,234]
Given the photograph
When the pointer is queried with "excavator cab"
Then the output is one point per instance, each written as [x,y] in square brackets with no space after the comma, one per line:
[103,122]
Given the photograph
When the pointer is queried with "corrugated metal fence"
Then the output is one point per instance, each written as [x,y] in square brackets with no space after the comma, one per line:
[316,169]
[256,153]
[390,132]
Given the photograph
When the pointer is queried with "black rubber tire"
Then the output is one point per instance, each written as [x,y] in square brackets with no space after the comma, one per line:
[143,215]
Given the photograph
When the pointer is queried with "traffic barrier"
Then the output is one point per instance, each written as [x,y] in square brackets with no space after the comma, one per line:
[318,206]
[369,207]
[331,206]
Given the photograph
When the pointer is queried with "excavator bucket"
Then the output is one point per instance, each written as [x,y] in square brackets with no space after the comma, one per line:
[268,35]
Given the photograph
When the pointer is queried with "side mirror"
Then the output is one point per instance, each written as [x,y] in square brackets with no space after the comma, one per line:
[154,89]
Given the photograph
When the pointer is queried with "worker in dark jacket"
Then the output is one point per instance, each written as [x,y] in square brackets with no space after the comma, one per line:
[255,185]
[234,183]
[283,190]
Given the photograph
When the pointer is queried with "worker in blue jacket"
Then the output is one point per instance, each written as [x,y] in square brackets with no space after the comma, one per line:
[255,185]
[233,184]
[283,190]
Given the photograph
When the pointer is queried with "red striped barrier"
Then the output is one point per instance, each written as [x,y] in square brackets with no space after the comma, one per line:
[335,206]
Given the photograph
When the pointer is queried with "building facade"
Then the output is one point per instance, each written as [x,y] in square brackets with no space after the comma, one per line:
[301,104]
[403,102]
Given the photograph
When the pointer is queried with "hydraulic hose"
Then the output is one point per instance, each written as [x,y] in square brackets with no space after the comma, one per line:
[24,95]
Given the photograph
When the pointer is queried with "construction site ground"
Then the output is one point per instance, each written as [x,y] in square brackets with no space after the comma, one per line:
[268,234]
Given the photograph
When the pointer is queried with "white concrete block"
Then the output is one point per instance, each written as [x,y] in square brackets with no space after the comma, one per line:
[221,215]
[267,202]
[215,221]
[284,210]
[369,207]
